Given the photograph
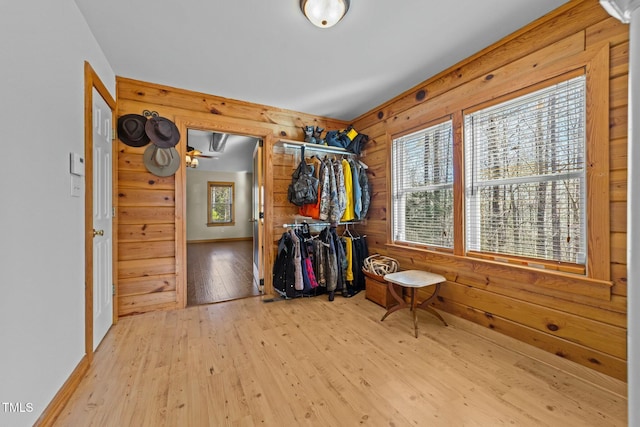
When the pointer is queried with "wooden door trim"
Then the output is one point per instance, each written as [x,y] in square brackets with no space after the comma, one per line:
[215,124]
[91,81]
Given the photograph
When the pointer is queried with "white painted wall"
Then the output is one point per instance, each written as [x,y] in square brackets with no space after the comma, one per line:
[43,46]
[197,205]
[633,228]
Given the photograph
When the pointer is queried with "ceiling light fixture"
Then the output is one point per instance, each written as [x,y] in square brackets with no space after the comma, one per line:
[192,162]
[324,13]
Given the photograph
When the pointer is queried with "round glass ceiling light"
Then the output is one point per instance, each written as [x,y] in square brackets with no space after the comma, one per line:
[324,13]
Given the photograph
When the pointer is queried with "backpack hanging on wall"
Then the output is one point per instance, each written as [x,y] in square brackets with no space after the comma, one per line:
[304,186]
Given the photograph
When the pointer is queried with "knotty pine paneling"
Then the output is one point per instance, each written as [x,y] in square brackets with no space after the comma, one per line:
[150,209]
[618,121]
[565,318]
[593,334]
[145,197]
[145,267]
[131,162]
[618,217]
[607,31]
[619,60]
[143,285]
[599,361]
[142,179]
[618,154]
[540,34]
[164,98]
[145,215]
[146,250]
[138,304]
[618,183]
[128,233]
[619,279]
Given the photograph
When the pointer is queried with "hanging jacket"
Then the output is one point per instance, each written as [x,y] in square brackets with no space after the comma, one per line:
[366,192]
[340,188]
[297,262]
[283,267]
[320,262]
[331,262]
[348,252]
[357,191]
[313,209]
[324,189]
[348,214]
[334,202]
[308,276]
[341,261]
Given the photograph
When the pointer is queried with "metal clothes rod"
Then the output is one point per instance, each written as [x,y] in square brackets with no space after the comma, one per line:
[319,224]
[317,147]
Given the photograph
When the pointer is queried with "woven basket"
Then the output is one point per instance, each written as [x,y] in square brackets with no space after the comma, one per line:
[380,265]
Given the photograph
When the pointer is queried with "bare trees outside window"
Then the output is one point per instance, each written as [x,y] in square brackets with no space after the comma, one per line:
[422,167]
[525,175]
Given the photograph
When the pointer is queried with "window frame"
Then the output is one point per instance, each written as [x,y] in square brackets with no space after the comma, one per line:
[417,129]
[221,184]
[594,280]
[521,259]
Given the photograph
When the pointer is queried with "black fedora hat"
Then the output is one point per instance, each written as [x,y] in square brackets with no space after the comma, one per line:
[162,132]
[131,130]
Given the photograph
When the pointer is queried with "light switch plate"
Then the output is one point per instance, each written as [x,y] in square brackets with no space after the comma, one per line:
[76,186]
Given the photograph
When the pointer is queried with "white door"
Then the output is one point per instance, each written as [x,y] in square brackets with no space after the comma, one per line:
[258,217]
[102,215]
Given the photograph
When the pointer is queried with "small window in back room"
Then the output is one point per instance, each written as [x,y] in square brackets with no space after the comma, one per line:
[220,203]
[422,187]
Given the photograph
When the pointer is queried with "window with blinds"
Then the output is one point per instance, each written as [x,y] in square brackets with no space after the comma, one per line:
[525,183]
[422,186]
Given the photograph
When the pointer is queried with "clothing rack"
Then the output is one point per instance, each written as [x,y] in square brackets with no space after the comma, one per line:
[319,224]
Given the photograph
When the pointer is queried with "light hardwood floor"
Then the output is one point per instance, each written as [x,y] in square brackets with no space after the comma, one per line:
[219,271]
[314,362]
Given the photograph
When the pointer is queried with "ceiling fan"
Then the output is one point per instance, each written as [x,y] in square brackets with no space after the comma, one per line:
[192,152]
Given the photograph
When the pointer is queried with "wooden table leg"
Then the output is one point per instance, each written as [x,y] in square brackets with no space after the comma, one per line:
[425,305]
[415,312]
[401,303]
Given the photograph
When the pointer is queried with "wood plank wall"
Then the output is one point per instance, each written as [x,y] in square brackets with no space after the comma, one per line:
[570,319]
[150,209]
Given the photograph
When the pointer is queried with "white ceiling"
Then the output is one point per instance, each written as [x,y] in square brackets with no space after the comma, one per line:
[266,52]
[237,155]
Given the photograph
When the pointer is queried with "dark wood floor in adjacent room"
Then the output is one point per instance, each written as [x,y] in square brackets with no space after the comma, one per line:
[219,271]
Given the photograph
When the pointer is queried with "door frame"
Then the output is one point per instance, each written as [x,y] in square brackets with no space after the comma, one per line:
[222,125]
[91,81]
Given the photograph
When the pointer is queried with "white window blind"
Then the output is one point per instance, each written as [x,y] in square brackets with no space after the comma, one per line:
[422,174]
[525,183]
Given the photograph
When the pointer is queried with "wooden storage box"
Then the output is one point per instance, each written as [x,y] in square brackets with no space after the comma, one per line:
[376,290]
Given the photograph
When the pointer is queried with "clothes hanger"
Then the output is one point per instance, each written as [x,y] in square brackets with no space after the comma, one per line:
[357,236]
[346,231]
